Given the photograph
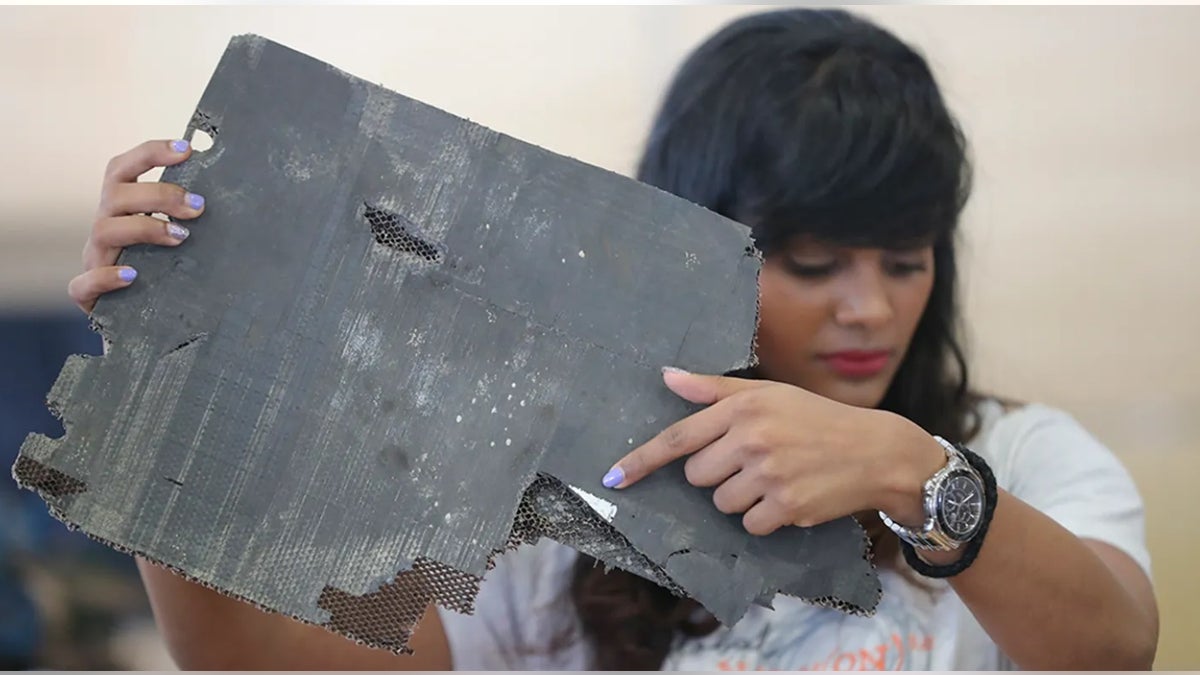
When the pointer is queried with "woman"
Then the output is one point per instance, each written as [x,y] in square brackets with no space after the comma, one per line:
[829,138]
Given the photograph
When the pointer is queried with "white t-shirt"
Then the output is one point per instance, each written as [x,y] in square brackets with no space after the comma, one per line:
[524,619]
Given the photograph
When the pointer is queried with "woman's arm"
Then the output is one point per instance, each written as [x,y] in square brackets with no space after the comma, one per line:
[1053,601]
[1048,599]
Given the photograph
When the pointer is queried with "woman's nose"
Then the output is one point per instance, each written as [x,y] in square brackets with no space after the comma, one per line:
[864,302]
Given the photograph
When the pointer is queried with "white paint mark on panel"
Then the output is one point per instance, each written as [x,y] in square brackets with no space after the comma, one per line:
[605,508]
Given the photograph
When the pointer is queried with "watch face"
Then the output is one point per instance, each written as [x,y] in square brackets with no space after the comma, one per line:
[961,505]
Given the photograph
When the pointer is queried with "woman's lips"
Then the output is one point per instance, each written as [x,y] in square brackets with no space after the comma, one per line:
[858,363]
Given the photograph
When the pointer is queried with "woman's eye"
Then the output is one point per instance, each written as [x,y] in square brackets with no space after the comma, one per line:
[901,269]
[809,270]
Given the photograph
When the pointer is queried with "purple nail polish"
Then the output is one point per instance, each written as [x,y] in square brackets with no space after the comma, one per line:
[614,477]
[179,146]
[177,231]
[127,274]
[195,201]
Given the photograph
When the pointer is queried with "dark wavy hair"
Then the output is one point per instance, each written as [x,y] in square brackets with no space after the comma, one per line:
[805,122]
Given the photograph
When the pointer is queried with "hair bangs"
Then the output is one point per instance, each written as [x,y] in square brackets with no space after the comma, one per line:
[860,155]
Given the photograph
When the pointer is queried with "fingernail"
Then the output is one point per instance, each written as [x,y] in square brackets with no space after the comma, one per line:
[614,477]
[127,274]
[179,146]
[195,201]
[673,369]
[177,231]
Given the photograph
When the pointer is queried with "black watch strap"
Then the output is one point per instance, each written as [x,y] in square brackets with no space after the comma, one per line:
[971,549]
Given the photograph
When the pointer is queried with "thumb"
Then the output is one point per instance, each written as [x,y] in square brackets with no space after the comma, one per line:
[705,389]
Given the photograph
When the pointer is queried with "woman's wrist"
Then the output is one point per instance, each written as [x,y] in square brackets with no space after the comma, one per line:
[908,458]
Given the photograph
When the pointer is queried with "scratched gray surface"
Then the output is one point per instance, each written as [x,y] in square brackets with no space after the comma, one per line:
[289,404]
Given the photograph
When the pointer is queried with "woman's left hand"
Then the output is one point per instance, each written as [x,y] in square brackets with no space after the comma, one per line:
[784,456]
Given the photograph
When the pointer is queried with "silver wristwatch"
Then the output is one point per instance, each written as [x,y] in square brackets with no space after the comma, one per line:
[953,500]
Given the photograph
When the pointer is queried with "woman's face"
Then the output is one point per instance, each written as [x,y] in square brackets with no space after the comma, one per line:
[836,320]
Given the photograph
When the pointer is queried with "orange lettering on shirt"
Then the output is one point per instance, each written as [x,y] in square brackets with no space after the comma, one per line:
[837,665]
[873,662]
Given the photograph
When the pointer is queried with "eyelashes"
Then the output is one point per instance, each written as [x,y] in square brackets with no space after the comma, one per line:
[906,269]
[808,271]
[818,271]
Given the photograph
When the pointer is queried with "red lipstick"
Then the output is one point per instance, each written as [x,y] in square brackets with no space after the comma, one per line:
[858,363]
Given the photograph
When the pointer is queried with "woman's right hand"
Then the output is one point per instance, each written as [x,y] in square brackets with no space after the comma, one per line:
[122,218]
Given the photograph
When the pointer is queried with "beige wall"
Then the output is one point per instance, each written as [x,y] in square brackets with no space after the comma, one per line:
[1082,285]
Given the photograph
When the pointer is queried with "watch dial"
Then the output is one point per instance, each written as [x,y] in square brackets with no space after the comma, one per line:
[962,505]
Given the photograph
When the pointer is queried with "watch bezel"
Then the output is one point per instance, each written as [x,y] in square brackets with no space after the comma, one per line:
[939,513]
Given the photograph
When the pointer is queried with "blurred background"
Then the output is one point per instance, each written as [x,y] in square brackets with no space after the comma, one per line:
[1082,285]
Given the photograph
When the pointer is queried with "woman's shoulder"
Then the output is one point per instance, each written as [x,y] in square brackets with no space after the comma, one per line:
[1040,452]
[1044,456]
[1017,438]
[1003,424]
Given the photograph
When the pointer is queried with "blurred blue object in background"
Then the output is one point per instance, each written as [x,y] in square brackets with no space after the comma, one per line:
[61,594]
[32,352]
